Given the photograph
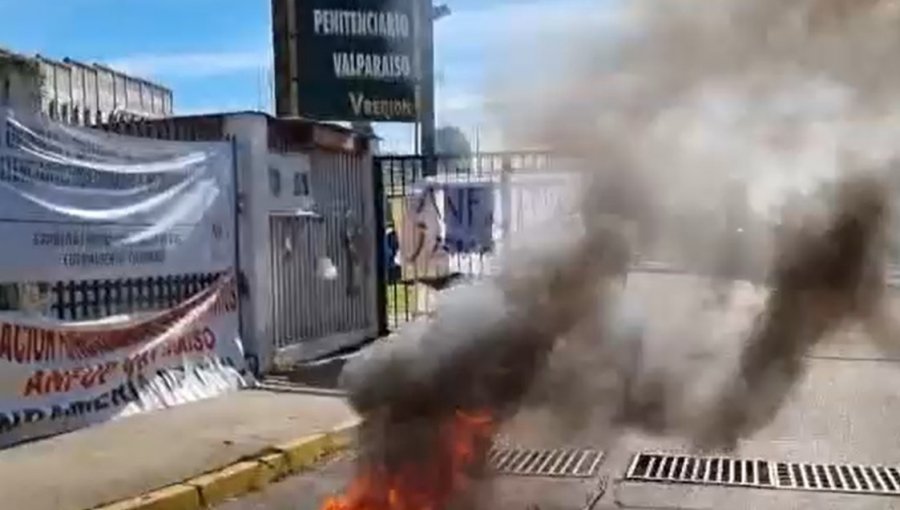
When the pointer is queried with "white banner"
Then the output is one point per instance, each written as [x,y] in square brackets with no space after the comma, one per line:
[77,203]
[60,378]
[422,250]
[456,225]
[538,197]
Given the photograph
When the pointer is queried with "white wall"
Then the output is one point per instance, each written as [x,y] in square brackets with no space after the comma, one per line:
[289,167]
[250,132]
[335,189]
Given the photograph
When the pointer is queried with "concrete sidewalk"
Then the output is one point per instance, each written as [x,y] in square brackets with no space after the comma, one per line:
[132,456]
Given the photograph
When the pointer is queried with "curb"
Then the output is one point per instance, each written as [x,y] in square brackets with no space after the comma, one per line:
[244,476]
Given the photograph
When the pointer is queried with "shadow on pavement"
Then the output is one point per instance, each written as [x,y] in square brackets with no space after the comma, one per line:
[320,378]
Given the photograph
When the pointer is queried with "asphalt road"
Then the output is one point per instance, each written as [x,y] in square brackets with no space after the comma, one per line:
[846,409]
[308,491]
[303,492]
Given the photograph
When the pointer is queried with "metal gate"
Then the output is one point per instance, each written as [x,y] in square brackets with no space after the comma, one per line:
[295,287]
[449,226]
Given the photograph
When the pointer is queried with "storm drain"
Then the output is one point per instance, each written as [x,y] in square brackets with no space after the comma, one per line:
[571,463]
[653,467]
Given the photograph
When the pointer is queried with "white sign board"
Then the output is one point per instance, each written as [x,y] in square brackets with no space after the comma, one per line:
[77,203]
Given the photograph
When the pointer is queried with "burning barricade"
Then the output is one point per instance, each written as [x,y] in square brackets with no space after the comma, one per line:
[776,93]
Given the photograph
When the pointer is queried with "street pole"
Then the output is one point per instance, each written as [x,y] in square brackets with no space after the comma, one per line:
[426,112]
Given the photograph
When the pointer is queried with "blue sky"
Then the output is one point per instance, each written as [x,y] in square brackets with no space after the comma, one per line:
[216,54]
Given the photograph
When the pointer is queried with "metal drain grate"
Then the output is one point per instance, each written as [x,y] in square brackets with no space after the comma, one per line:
[573,463]
[658,467]
[701,470]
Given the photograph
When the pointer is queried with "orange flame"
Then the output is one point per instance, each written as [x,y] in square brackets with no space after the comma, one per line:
[429,484]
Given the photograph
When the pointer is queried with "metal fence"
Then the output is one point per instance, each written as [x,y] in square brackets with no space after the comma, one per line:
[451,225]
[87,299]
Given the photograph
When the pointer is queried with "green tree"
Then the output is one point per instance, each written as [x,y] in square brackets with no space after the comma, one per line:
[450,141]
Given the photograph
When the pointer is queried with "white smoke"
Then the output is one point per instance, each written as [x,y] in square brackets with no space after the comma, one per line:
[789,98]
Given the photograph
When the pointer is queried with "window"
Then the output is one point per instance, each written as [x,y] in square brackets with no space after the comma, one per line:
[274,181]
[9,296]
[5,96]
[301,184]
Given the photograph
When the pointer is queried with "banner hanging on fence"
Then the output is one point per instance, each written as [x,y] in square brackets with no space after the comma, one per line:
[57,379]
[78,203]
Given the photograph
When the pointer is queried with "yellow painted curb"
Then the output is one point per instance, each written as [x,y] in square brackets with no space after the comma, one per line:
[343,436]
[234,480]
[175,497]
[246,476]
[305,453]
[273,467]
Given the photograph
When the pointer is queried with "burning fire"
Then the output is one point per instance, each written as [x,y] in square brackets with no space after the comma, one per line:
[429,482]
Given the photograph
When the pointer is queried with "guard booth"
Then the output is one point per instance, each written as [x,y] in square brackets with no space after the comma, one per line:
[306,228]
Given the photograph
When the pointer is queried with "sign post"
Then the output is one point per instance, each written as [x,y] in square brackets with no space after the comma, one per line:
[429,130]
[428,14]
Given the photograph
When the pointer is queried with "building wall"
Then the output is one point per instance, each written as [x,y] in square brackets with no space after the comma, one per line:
[20,81]
[79,93]
[337,162]
[93,94]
